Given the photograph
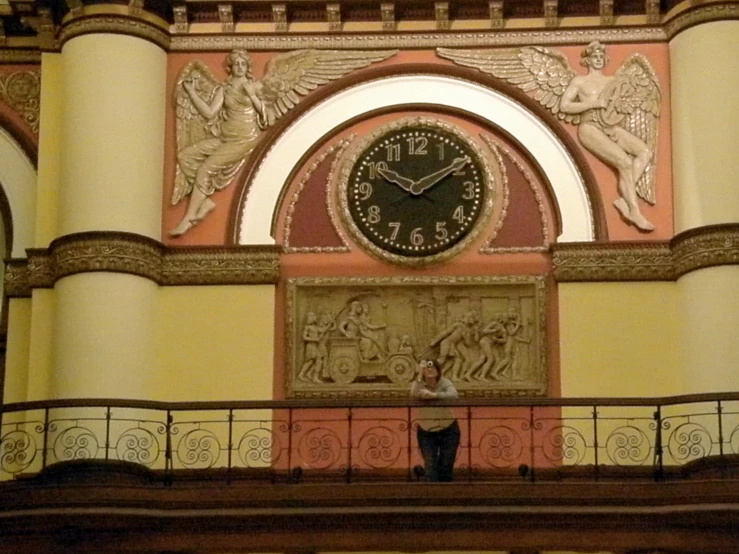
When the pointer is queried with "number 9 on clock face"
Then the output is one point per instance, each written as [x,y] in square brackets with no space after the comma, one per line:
[416,189]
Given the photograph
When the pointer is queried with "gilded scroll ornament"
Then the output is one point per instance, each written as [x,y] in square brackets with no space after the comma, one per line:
[21,90]
[219,124]
[362,336]
[617,115]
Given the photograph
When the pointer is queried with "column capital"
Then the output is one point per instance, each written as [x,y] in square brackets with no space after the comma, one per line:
[687,15]
[114,19]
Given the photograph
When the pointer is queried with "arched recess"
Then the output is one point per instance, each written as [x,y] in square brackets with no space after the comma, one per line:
[18,182]
[272,172]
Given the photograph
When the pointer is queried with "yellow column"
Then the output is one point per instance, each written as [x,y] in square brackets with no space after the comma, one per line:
[705,137]
[111,179]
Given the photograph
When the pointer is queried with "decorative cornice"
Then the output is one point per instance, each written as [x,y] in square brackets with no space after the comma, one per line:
[17,283]
[227,24]
[705,247]
[416,40]
[106,251]
[118,252]
[709,246]
[256,265]
[612,262]
[110,251]
[122,20]
[698,13]
[26,55]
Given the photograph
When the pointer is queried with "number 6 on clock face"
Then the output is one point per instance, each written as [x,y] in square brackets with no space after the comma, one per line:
[416,191]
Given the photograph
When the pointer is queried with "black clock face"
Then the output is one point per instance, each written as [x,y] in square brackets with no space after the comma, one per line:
[417,190]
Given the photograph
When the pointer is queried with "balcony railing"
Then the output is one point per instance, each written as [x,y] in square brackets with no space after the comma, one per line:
[287,441]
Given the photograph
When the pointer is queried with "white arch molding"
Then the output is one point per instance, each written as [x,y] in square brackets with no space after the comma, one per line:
[542,144]
[18,179]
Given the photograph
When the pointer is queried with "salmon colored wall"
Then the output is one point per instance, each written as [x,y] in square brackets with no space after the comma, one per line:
[661,213]
[213,230]
[521,221]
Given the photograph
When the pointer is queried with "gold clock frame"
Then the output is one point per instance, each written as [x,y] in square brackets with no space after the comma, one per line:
[433,123]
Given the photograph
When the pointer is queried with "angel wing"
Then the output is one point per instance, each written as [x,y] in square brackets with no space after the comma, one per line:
[534,69]
[633,102]
[294,74]
[191,125]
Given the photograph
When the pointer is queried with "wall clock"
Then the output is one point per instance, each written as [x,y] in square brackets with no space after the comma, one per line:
[416,191]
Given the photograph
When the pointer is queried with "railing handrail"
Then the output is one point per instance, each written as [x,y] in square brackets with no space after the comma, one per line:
[367,403]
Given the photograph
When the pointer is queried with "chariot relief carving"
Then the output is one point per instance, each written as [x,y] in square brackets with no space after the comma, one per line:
[617,115]
[220,124]
[362,337]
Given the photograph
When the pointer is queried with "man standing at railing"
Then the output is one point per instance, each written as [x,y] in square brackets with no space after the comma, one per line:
[438,431]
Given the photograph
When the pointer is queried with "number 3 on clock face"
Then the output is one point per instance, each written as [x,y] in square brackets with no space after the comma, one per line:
[415,190]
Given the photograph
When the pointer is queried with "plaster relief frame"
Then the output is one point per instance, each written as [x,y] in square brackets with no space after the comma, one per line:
[361,337]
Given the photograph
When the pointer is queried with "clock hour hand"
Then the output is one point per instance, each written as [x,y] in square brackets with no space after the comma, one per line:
[430,180]
[393,177]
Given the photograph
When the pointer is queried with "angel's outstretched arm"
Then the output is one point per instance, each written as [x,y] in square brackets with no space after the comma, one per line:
[208,111]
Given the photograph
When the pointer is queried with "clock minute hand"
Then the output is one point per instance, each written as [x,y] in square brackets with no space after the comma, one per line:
[430,180]
[393,177]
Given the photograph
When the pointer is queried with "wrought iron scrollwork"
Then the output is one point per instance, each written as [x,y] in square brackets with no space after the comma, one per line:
[628,445]
[139,446]
[564,444]
[379,447]
[501,446]
[259,447]
[320,448]
[199,448]
[17,451]
[689,441]
[76,443]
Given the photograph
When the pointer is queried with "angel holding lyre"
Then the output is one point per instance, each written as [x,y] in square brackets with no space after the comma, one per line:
[219,124]
[617,115]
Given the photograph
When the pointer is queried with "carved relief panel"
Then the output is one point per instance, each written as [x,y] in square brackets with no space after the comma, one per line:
[362,337]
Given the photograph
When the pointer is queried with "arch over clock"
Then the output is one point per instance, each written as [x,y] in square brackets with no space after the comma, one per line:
[578,219]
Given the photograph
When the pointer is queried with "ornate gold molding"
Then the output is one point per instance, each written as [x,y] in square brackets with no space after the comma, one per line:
[417,40]
[21,90]
[118,252]
[612,262]
[256,265]
[705,247]
[105,251]
[692,250]
[20,56]
[17,284]
[111,19]
[110,251]
[690,14]
[220,26]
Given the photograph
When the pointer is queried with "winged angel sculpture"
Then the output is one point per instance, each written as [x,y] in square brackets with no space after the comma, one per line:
[617,115]
[219,124]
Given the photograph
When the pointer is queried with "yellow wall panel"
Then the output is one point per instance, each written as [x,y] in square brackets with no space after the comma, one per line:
[216,343]
[49,158]
[620,339]
[19,342]
[42,331]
